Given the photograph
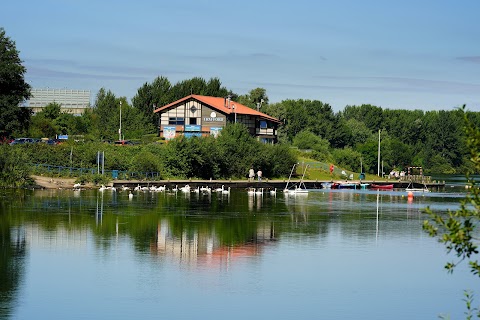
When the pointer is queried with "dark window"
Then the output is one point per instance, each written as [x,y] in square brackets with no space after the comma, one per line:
[193,120]
[176,120]
[263,124]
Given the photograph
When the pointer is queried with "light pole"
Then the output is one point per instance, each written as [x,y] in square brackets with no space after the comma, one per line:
[120,129]
[235,112]
[379,153]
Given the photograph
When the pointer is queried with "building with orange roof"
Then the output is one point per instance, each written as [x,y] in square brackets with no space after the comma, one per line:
[197,115]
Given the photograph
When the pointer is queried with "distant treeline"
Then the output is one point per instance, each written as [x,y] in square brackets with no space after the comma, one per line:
[434,140]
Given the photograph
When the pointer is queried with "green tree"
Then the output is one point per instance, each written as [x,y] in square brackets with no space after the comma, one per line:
[359,131]
[106,108]
[149,96]
[46,123]
[444,138]
[348,158]
[14,171]
[257,98]
[51,111]
[42,127]
[236,150]
[372,116]
[406,125]
[395,153]
[308,140]
[13,89]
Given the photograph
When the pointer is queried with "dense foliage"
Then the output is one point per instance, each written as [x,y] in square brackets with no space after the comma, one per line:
[432,139]
[230,155]
[14,169]
[13,89]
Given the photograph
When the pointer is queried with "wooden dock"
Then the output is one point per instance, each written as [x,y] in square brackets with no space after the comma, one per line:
[266,184]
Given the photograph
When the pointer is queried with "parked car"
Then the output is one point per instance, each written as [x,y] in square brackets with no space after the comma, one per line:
[51,142]
[123,143]
[22,141]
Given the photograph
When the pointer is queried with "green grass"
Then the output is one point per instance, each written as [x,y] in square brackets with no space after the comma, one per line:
[321,171]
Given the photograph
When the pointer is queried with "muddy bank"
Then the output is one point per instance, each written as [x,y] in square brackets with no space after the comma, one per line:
[56,182]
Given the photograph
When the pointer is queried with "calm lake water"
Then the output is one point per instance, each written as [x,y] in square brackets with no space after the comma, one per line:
[331,254]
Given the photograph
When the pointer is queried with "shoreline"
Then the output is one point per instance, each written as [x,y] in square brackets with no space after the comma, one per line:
[68,183]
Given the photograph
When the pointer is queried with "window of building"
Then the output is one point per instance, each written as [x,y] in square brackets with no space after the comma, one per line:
[176,121]
[263,124]
[193,120]
[267,140]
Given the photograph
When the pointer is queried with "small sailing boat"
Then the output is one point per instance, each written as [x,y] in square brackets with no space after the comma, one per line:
[300,188]
[412,188]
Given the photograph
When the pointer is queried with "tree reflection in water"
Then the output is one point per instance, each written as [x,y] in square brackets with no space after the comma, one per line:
[12,261]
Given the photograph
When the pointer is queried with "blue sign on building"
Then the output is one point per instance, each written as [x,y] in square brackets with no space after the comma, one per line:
[193,128]
[192,134]
[169,132]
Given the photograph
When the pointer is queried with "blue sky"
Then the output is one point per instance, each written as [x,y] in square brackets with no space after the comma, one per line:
[399,55]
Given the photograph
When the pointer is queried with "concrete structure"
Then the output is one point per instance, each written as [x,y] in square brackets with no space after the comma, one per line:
[197,115]
[71,101]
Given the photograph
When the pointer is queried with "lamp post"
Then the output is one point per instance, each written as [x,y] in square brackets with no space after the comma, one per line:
[120,129]
[235,113]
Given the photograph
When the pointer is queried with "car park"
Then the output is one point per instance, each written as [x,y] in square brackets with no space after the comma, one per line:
[123,143]
[22,141]
[50,142]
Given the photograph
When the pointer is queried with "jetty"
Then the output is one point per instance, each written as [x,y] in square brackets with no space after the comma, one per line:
[265,183]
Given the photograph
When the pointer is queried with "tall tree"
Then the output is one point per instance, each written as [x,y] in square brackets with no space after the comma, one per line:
[51,111]
[256,99]
[107,108]
[444,140]
[13,89]
[372,116]
[152,95]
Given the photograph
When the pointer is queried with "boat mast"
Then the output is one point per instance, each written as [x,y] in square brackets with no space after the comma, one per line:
[303,176]
[291,172]
[379,152]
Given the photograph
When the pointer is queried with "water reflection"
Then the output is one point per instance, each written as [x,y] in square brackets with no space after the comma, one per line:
[13,252]
[206,248]
[318,233]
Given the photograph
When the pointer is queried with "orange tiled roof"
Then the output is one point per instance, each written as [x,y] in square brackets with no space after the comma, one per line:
[219,104]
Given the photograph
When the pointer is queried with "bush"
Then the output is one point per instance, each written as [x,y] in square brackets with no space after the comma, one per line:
[14,171]
[347,158]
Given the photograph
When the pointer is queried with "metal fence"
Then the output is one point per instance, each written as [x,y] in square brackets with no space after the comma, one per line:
[114,174]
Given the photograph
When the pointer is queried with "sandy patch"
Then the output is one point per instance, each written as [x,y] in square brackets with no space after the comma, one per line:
[56,183]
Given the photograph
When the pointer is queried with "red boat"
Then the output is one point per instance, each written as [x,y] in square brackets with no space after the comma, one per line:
[382,186]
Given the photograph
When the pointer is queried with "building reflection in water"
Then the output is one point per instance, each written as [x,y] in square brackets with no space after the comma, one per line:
[196,248]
